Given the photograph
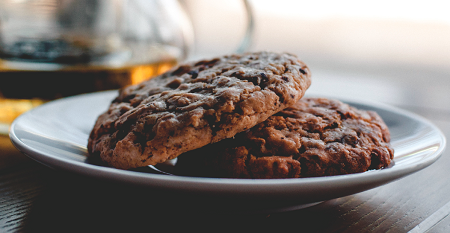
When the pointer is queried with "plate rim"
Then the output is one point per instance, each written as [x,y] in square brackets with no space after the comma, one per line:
[222,184]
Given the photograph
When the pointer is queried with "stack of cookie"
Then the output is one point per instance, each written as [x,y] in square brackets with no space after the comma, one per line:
[238,116]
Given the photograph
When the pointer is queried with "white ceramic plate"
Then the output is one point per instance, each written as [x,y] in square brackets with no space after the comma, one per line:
[56,135]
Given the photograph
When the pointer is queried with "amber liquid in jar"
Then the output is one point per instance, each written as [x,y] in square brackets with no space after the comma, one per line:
[23,87]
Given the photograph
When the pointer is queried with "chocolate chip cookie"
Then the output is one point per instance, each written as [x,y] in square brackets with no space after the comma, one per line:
[315,137]
[195,104]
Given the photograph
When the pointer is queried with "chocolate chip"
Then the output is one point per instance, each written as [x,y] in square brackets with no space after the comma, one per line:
[193,73]
[207,63]
[264,80]
[286,79]
[255,80]
[237,75]
[302,71]
[174,84]
[181,70]
[197,89]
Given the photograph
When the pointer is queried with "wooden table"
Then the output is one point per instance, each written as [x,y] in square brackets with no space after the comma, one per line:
[35,198]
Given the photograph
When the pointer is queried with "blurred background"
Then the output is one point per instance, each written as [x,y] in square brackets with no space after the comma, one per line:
[391,51]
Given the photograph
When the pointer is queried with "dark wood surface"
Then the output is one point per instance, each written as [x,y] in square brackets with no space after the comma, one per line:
[35,198]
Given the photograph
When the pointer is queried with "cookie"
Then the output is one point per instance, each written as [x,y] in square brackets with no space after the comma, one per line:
[315,137]
[193,105]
